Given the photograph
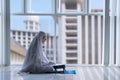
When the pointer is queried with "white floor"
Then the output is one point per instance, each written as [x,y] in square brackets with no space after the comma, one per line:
[82,73]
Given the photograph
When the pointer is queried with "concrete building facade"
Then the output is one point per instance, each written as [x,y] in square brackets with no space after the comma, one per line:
[80,36]
[17,52]
[24,37]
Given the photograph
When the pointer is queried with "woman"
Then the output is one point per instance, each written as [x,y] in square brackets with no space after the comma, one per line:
[35,60]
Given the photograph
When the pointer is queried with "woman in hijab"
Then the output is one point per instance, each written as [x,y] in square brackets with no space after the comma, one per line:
[36,60]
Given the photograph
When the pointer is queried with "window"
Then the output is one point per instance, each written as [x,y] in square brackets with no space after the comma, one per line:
[13,32]
[93,8]
[71,61]
[18,33]
[77,34]
[71,27]
[71,5]
[71,34]
[71,55]
[31,27]
[71,41]
[33,34]
[23,33]
[31,23]
[19,37]
[24,38]
[89,28]
[71,48]
[28,34]
[71,20]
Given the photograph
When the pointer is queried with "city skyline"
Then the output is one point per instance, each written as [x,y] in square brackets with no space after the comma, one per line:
[68,32]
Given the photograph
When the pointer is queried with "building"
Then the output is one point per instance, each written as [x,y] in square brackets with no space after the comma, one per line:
[24,37]
[80,36]
[17,52]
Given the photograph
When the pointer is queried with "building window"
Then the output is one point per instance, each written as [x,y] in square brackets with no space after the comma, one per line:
[23,33]
[24,42]
[71,47]
[33,34]
[71,20]
[31,22]
[18,33]
[69,34]
[19,37]
[28,34]
[71,41]
[71,27]
[71,61]
[28,38]
[71,5]
[14,37]
[71,54]
[31,27]
[24,38]
[13,32]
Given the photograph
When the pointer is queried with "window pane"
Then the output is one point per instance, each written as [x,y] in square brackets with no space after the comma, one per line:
[70,6]
[23,32]
[72,39]
[16,6]
[42,6]
[80,39]
[96,6]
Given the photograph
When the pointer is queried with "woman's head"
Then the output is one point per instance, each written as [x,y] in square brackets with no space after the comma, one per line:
[42,36]
[43,39]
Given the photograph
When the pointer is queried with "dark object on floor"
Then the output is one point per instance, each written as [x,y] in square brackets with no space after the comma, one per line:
[56,67]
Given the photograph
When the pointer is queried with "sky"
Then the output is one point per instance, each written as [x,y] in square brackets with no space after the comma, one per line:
[42,6]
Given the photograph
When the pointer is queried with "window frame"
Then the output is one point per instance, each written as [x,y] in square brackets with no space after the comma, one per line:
[6,28]
[5,33]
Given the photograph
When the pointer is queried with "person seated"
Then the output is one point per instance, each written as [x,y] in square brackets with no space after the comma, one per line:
[36,60]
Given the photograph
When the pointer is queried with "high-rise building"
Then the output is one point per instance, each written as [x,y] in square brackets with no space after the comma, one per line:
[24,37]
[17,52]
[80,36]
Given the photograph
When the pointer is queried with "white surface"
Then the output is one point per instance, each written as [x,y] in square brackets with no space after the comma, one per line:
[82,73]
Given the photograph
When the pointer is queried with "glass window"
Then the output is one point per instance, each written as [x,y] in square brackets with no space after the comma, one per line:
[71,5]
[71,20]
[43,6]
[31,23]
[66,33]
[16,6]
[71,54]
[96,6]
[71,61]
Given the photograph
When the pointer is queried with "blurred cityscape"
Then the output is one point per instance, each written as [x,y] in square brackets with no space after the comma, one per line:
[79,40]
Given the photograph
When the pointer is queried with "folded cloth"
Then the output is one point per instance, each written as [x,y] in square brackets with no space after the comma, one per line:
[69,72]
